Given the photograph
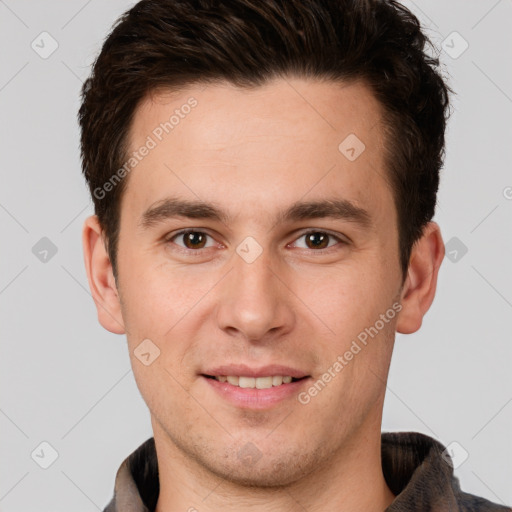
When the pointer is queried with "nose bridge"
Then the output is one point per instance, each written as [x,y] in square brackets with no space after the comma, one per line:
[254,300]
[255,278]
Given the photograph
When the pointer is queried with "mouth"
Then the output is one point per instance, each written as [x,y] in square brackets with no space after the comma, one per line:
[266,382]
[255,388]
[250,387]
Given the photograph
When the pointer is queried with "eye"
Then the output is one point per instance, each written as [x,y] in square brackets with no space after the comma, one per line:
[191,240]
[319,240]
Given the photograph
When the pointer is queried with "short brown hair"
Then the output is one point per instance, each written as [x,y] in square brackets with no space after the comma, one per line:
[175,43]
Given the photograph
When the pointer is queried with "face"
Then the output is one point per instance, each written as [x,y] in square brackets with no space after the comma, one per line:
[257,241]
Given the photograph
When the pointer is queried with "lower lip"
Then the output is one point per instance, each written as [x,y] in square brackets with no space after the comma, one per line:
[252,398]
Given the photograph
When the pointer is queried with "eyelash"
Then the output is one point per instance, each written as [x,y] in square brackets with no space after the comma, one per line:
[198,251]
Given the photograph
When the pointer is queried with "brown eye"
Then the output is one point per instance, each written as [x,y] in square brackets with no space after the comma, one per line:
[192,240]
[317,240]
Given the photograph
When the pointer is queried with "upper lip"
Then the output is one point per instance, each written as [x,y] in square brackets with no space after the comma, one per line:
[242,370]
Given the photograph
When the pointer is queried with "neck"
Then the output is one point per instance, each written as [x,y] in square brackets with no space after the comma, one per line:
[352,480]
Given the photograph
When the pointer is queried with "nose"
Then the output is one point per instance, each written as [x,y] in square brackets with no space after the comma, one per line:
[255,301]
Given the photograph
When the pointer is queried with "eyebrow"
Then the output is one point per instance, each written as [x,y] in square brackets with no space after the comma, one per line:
[173,207]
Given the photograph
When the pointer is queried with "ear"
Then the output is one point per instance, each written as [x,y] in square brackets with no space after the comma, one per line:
[101,277]
[420,285]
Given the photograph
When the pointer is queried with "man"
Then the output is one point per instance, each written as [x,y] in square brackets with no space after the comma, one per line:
[264,175]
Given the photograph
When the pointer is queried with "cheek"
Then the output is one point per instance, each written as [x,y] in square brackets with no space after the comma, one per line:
[154,300]
[358,310]
[346,299]
[160,305]
[164,392]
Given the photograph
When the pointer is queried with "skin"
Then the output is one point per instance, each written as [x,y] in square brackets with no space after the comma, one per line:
[254,153]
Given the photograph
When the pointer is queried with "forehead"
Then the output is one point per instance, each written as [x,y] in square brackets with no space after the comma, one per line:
[224,113]
[291,136]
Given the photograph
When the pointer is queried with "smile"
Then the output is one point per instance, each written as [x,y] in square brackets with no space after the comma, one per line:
[255,382]
[255,393]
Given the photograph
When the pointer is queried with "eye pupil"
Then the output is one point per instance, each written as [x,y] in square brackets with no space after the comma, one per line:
[194,240]
[317,240]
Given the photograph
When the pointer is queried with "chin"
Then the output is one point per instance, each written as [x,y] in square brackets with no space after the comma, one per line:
[265,477]
[251,468]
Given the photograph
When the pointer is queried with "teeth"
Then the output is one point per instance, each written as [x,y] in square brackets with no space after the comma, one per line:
[255,382]
[246,382]
[263,382]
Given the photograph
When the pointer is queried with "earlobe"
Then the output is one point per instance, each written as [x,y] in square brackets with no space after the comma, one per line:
[420,285]
[101,278]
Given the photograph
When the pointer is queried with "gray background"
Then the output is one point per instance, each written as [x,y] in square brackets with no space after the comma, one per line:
[66,381]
